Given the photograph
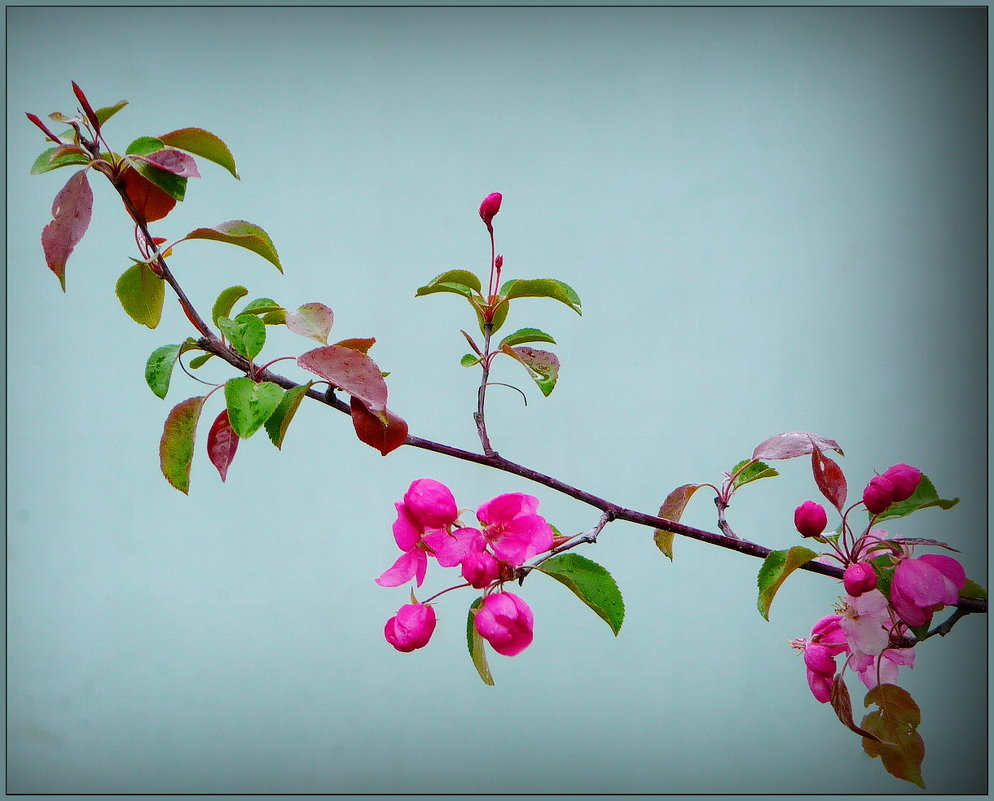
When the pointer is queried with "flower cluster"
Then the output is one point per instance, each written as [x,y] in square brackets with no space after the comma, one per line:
[428,527]
[888,590]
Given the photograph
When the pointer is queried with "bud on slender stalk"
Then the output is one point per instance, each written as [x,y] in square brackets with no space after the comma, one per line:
[810,519]
[489,208]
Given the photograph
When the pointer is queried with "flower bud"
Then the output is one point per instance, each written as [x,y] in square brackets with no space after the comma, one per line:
[489,208]
[810,519]
[411,627]
[480,569]
[506,622]
[859,577]
[499,261]
[430,504]
[878,495]
[905,479]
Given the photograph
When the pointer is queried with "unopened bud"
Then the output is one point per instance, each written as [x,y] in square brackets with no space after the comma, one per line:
[489,208]
[859,577]
[878,495]
[905,480]
[499,262]
[810,519]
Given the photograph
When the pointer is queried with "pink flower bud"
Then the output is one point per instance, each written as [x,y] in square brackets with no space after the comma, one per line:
[489,208]
[922,585]
[905,479]
[859,578]
[810,519]
[411,627]
[499,261]
[506,622]
[480,569]
[430,504]
[878,495]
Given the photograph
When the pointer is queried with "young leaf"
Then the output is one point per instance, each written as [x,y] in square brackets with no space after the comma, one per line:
[459,282]
[222,443]
[753,472]
[312,320]
[174,162]
[829,478]
[793,443]
[973,590]
[774,571]
[373,431]
[842,705]
[894,726]
[159,368]
[349,370]
[241,233]
[523,335]
[925,496]
[144,145]
[149,201]
[55,157]
[199,361]
[500,315]
[279,420]
[361,345]
[475,642]
[250,404]
[71,212]
[672,509]
[469,360]
[542,288]
[202,143]
[542,366]
[176,445]
[261,306]
[105,113]
[226,302]
[142,294]
[592,584]
[246,333]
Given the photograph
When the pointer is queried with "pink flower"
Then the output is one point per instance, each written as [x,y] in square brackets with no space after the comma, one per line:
[506,622]
[859,578]
[889,662]
[413,563]
[489,208]
[879,494]
[924,584]
[866,622]
[480,569]
[904,479]
[513,529]
[451,549]
[810,519]
[430,504]
[827,641]
[411,627]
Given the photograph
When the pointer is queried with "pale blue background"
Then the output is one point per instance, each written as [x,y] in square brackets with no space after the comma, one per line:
[776,221]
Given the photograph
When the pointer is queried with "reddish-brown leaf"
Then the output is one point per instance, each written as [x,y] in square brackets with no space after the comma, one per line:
[830,479]
[793,443]
[672,509]
[71,213]
[150,202]
[222,442]
[843,707]
[349,370]
[361,345]
[370,429]
[174,161]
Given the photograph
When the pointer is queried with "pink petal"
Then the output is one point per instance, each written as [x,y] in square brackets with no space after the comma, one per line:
[505,507]
[406,531]
[404,569]
[951,569]
[430,503]
[524,537]
[821,686]
[451,549]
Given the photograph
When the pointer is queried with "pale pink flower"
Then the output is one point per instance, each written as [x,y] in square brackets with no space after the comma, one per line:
[506,622]
[866,622]
[411,627]
[923,584]
[859,577]
[513,528]
[889,661]
[810,519]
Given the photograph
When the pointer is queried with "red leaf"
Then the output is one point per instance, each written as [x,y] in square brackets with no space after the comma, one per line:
[150,202]
[87,108]
[349,370]
[71,212]
[175,162]
[372,430]
[222,442]
[793,443]
[830,479]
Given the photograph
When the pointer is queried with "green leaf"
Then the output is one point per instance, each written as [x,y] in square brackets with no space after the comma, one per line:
[199,361]
[279,421]
[159,369]
[261,306]
[542,288]
[524,335]
[542,366]
[103,114]
[241,233]
[176,445]
[925,495]
[170,183]
[201,143]
[895,723]
[469,360]
[246,333]
[250,404]
[672,509]
[142,294]
[459,282]
[973,590]
[226,302]
[475,643]
[754,472]
[500,315]
[592,584]
[144,145]
[774,571]
[56,157]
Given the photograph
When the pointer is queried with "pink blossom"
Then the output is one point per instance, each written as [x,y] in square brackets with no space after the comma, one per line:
[506,622]
[905,480]
[413,563]
[513,528]
[866,622]
[450,549]
[826,642]
[878,495]
[889,661]
[430,504]
[480,569]
[411,627]
[924,584]
[489,208]
[859,577]
[810,519]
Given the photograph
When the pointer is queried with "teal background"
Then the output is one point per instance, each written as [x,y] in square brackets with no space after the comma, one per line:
[776,219]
